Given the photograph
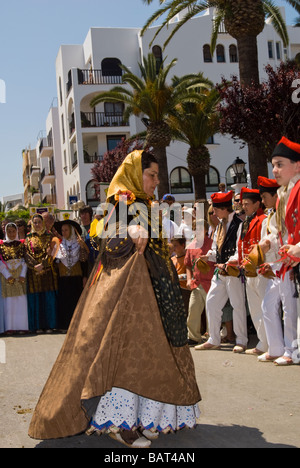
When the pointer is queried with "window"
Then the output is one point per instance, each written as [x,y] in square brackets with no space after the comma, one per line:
[220,53]
[92,193]
[157,52]
[113,108]
[60,92]
[181,181]
[278,50]
[270,49]
[207,54]
[63,128]
[212,180]
[231,178]
[111,67]
[113,141]
[233,54]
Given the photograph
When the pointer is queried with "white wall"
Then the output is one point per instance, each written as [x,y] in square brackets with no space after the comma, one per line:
[127,45]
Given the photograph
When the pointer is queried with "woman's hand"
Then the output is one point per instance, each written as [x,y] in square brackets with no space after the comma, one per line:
[39,268]
[139,237]
[81,242]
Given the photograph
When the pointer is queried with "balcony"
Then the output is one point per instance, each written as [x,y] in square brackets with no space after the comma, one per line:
[46,148]
[91,159]
[99,77]
[49,199]
[35,198]
[102,119]
[47,177]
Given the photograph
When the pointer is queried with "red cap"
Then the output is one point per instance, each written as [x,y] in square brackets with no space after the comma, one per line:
[222,199]
[287,149]
[267,185]
[251,194]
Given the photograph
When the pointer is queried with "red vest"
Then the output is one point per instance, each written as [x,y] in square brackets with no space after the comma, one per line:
[292,219]
[252,237]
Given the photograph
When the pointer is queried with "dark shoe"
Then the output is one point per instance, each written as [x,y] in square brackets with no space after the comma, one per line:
[192,343]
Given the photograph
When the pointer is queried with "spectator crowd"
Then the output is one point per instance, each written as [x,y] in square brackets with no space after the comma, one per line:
[238,273]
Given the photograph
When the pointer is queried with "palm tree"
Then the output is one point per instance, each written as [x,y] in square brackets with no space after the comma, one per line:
[244,20]
[152,97]
[297,22]
[194,123]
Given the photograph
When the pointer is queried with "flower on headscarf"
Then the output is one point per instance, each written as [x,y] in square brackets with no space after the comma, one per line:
[126,196]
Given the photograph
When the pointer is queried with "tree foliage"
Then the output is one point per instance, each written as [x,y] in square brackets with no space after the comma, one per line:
[262,114]
[103,171]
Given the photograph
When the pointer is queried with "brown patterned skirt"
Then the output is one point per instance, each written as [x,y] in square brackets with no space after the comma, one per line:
[116,339]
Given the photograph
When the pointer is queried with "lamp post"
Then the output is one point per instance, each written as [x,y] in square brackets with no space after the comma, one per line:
[238,168]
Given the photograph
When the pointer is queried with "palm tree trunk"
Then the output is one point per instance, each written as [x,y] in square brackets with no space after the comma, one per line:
[161,155]
[200,186]
[248,59]
[257,164]
[249,75]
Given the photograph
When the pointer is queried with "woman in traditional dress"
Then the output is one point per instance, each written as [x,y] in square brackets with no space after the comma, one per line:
[41,278]
[13,281]
[72,254]
[125,367]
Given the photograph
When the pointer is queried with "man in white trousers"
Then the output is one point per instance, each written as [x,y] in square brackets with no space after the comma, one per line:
[280,291]
[223,286]
[286,169]
[249,236]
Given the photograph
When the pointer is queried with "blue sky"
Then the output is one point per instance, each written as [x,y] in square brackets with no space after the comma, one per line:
[31,32]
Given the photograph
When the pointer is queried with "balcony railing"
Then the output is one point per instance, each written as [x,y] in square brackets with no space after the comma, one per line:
[45,143]
[96,77]
[102,119]
[91,159]
[47,173]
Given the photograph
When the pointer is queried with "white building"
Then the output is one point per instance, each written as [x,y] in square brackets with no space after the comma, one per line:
[11,202]
[49,159]
[86,70]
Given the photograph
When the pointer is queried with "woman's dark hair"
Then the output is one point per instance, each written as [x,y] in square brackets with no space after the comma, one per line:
[147,160]
[37,215]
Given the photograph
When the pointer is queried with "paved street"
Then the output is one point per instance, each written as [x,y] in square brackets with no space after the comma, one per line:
[245,403]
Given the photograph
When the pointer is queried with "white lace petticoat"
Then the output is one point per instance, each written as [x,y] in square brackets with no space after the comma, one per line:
[126,410]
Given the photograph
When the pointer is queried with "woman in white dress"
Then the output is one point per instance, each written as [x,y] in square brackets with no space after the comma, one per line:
[13,281]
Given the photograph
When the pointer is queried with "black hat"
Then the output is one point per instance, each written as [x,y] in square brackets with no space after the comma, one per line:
[287,149]
[59,224]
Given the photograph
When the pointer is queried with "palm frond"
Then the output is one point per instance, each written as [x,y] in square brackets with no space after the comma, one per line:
[215,31]
[193,10]
[295,4]
[273,12]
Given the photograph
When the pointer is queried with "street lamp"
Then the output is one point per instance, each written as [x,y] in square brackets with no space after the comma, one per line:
[238,168]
